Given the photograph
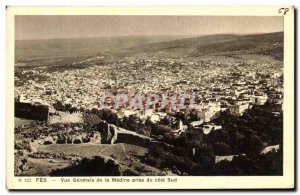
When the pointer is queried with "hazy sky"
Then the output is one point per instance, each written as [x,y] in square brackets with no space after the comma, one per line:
[53,27]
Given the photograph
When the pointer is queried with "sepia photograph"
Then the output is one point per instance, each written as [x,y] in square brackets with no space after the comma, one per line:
[163,95]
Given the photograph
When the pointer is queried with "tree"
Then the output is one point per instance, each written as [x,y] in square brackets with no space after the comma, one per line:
[68,106]
[109,116]
[203,150]
[148,122]
[224,168]
[218,136]
[73,109]
[59,106]
[95,111]
[221,149]
[161,129]
[253,145]
[272,163]
[243,165]
[205,166]
[164,121]
[190,139]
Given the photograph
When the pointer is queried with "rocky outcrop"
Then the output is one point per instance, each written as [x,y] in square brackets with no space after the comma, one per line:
[106,166]
[108,132]
[97,166]
[133,139]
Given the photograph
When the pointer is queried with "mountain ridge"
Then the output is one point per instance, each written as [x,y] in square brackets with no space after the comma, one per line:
[173,46]
[262,44]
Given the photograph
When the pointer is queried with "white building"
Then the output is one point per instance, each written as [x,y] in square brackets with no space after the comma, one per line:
[212,127]
[270,149]
[196,123]
[209,113]
[238,109]
[259,100]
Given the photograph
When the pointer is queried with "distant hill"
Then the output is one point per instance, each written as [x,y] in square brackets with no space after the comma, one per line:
[167,46]
[27,50]
[262,44]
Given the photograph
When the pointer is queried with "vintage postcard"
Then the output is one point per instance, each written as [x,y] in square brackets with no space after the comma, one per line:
[150,98]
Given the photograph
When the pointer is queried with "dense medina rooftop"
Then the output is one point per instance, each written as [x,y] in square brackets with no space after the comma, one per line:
[84,87]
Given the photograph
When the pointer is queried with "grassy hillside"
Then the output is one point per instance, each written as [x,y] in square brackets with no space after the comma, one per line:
[262,44]
[187,43]
[53,51]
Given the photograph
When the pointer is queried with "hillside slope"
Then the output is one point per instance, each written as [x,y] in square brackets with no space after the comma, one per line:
[45,51]
[262,44]
[30,50]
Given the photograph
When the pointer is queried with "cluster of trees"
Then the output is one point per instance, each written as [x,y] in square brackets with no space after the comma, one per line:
[64,107]
[183,162]
[268,164]
[243,136]
[132,123]
[193,152]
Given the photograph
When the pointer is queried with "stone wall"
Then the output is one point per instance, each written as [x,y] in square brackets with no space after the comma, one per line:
[132,139]
[31,111]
